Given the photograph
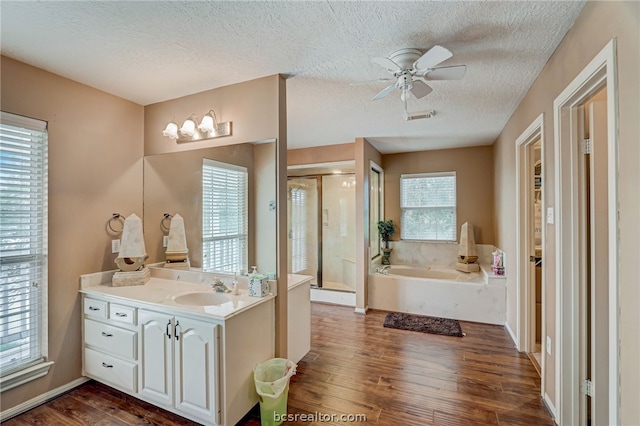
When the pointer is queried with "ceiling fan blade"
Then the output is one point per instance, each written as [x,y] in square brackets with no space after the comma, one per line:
[386,63]
[455,72]
[377,80]
[433,57]
[420,89]
[384,92]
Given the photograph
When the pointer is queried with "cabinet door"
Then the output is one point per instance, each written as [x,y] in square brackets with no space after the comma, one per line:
[196,368]
[156,356]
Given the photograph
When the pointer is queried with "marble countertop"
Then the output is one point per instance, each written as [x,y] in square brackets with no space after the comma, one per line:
[295,280]
[161,293]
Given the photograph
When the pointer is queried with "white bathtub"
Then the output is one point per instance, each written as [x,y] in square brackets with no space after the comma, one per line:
[439,291]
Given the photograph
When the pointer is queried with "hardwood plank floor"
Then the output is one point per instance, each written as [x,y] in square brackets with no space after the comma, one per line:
[358,367]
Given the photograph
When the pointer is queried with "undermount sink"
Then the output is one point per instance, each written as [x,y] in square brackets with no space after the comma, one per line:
[202,298]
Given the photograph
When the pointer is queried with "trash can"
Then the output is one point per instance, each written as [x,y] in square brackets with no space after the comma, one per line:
[272,385]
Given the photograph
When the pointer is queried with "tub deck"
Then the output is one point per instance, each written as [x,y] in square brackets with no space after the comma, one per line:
[441,292]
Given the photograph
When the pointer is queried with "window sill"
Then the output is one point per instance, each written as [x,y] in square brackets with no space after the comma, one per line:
[25,375]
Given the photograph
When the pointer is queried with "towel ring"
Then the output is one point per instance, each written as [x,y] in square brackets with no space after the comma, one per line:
[163,223]
[115,218]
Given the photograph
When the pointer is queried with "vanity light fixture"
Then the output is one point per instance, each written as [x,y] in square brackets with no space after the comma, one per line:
[190,131]
[188,128]
[171,131]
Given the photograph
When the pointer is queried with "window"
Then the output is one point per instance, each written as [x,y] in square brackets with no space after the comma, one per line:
[224,217]
[428,206]
[298,232]
[23,249]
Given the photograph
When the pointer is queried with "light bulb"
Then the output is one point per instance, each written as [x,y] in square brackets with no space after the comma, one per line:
[206,125]
[404,95]
[188,128]
[171,131]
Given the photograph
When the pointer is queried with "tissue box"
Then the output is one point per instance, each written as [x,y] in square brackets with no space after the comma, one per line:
[258,286]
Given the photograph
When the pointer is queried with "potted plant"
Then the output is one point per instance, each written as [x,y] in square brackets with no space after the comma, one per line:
[386,228]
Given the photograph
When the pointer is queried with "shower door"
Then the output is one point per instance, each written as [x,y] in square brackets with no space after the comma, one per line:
[302,206]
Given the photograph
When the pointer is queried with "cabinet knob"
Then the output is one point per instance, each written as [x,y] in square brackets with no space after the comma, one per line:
[105,365]
[93,308]
[107,334]
[121,315]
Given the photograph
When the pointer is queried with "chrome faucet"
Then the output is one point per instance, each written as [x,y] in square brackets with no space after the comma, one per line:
[219,286]
[383,269]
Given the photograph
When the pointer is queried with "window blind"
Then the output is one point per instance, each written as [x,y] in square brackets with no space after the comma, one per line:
[23,241]
[428,206]
[224,217]
[298,237]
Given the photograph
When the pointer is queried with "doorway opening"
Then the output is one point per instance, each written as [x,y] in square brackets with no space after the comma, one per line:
[585,123]
[531,233]
[321,222]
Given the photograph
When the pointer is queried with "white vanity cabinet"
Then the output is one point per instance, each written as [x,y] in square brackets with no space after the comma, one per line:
[195,361]
[179,363]
[110,347]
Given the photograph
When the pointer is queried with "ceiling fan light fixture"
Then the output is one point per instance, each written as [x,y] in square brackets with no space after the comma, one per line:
[406,94]
[410,68]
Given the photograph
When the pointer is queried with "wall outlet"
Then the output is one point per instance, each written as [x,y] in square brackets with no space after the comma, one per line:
[550,215]
[115,246]
[548,345]
[165,241]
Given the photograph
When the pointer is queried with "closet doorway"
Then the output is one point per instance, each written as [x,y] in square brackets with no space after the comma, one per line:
[531,332]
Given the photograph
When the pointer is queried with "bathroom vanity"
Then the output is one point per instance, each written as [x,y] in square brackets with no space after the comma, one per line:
[176,344]
[298,316]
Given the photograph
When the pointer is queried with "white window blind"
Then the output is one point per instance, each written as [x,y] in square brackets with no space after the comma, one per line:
[428,206]
[23,242]
[224,217]
[298,236]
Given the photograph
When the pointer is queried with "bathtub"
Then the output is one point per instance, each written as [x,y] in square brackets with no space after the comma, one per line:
[439,291]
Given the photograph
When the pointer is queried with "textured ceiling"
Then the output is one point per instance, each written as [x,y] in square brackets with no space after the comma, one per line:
[151,51]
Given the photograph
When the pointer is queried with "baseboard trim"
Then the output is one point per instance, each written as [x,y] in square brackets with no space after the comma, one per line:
[511,334]
[343,298]
[40,399]
[550,407]
[362,311]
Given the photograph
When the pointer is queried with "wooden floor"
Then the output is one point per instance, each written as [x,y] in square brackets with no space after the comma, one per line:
[358,367]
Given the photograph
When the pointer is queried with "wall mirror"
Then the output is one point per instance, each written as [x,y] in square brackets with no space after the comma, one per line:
[173,183]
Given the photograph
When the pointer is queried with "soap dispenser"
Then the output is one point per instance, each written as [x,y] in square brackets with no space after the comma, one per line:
[234,285]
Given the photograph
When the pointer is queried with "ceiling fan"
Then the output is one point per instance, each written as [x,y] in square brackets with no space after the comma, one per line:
[411,69]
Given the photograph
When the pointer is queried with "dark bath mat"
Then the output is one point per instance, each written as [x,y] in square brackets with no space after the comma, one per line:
[424,324]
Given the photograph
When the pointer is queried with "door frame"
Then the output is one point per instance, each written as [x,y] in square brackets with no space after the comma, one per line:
[600,72]
[525,289]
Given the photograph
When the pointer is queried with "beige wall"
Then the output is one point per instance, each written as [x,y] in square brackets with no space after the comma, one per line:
[474,184]
[321,154]
[95,169]
[251,106]
[265,220]
[597,24]
[365,153]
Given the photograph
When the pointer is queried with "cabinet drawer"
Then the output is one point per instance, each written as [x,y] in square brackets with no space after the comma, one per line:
[95,308]
[113,340]
[106,368]
[122,313]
